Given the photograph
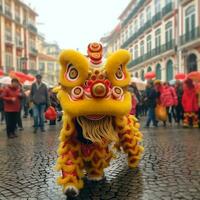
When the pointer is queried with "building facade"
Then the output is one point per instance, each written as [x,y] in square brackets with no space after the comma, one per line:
[48,65]
[162,36]
[18,35]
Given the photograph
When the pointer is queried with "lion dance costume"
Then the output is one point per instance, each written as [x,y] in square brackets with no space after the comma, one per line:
[190,104]
[96,104]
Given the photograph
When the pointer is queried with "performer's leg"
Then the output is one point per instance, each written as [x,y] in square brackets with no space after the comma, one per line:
[129,137]
[195,120]
[186,119]
[71,165]
[96,158]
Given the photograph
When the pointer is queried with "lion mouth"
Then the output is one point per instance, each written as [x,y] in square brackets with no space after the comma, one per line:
[95,117]
[99,130]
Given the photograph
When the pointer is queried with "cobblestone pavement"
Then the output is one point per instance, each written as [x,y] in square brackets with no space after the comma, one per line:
[170,168]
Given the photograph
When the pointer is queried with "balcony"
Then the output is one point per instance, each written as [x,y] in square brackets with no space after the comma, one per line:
[133,12]
[145,27]
[33,51]
[157,17]
[190,36]
[32,28]
[8,13]
[167,9]
[18,43]
[8,38]
[154,52]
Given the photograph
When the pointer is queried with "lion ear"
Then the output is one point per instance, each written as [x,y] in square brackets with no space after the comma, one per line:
[116,69]
[74,68]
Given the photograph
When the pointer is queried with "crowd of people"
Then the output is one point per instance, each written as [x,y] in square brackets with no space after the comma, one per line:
[14,100]
[179,103]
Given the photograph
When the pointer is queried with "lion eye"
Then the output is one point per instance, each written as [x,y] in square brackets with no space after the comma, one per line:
[119,74]
[72,73]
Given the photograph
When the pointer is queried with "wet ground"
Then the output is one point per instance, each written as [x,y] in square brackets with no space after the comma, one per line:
[170,168]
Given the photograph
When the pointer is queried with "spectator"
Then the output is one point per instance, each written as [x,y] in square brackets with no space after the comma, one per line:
[40,99]
[169,100]
[11,97]
[54,102]
[1,104]
[19,118]
[150,98]
[138,99]
[179,107]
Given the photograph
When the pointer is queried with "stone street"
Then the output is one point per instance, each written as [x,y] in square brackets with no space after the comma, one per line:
[170,168]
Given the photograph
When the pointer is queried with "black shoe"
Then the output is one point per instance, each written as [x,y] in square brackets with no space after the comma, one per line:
[42,130]
[15,135]
[35,130]
[21,129]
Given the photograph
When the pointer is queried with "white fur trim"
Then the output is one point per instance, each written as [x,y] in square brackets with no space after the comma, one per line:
[72,188]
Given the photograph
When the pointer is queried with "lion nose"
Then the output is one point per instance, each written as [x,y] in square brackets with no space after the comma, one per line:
[99,90]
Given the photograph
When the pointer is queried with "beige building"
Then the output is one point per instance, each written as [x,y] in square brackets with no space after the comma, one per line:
[48,61]
[18,37]
[162,36]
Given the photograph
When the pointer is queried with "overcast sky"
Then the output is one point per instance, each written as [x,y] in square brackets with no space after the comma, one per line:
[75,23]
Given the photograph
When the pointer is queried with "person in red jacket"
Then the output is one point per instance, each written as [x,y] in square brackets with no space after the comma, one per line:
[169,100]
[11,97]
[190,104]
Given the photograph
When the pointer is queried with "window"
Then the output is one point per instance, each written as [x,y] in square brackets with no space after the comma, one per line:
[18,63]
[142,75]
[8,34]
[158,71]
[41,67]
[131,51]
[148,13]
[157,6]
[136,25]
[158,40]
[149,69]
[136,51]
[190,21]
[141,20]
[8,9]
[8,61]
[168,32]
[169,70]
[168,35]
[32,65]
[50,67]
[136,74]
[141,48]
[149,44]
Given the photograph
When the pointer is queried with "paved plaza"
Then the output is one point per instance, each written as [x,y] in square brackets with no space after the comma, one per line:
[169,170]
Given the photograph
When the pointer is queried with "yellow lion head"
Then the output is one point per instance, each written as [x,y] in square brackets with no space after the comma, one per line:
[93,90]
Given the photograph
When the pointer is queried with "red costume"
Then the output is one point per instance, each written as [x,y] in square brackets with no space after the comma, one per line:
[190,104]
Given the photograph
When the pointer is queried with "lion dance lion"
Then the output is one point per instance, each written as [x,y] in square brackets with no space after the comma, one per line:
[96,103]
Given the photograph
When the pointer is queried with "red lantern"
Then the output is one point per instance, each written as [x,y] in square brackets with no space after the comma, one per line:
[150,75]
[50,113]
[195,76]
[180,76]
